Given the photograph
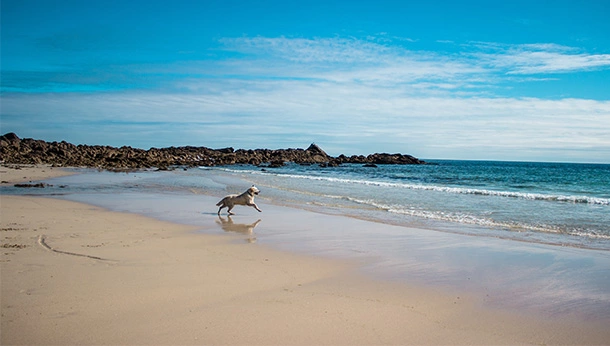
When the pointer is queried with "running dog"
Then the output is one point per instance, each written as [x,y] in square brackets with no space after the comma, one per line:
[246,198]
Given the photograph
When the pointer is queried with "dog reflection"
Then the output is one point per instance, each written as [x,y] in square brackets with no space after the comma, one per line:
[228,225]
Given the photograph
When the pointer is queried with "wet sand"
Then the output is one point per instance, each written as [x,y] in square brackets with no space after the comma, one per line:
[77,274]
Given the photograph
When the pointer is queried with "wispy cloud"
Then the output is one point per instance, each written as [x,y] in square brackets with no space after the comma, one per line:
[472,66]
[347,60]
[466,69]
[540,58]
[349,95]
[302,50]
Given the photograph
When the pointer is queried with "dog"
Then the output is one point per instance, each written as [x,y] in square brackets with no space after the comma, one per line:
[246,198]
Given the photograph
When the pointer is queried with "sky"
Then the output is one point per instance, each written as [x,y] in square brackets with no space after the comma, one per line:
[477,80]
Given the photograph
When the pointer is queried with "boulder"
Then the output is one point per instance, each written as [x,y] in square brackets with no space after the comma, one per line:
[314,149]
[9,137]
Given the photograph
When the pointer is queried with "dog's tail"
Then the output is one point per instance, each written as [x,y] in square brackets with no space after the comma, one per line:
[220,203]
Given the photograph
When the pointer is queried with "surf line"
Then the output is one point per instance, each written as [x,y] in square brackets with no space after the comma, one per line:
[43,243]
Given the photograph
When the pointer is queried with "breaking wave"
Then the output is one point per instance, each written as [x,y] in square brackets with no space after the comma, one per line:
[464,218]
[446,189]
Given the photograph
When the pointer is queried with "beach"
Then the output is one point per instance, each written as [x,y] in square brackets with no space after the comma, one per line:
[73,273]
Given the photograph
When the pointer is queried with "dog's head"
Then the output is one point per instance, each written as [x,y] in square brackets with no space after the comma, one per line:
[253,190]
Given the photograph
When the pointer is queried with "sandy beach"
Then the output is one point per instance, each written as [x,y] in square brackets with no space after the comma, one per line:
[78,274]
[13,174]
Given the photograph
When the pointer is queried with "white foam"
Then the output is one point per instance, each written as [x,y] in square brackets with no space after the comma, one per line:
[453,190]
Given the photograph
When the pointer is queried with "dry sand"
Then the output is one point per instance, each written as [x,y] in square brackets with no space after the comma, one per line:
[12,174]
[76,274]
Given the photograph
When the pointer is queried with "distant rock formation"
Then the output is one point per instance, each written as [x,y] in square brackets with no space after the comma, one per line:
[31,151]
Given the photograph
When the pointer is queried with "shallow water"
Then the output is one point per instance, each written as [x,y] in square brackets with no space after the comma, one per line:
[561,204]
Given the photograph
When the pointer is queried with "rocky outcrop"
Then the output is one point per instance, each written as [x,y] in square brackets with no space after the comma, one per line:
[31,151]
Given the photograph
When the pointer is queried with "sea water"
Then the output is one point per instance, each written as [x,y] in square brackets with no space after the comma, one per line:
[555,203]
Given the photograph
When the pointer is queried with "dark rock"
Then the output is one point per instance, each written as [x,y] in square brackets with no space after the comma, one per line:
[9,137]
[276,164]
[393,159]
[315,149]
[38,185]
[63,154]
[228,150]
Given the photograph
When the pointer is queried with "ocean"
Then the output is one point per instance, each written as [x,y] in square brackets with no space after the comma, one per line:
[562,204]
[555,203]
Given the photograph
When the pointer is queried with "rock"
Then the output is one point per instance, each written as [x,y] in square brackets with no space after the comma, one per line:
[315,149]
[63,154]
[394,159]
[228,150]
[38,185]
[276,164]
[319,158]
[9,137]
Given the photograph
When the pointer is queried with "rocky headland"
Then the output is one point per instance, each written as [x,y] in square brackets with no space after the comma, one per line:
[15,150]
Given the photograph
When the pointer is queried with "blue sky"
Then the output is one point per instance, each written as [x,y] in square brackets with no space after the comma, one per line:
[500,80]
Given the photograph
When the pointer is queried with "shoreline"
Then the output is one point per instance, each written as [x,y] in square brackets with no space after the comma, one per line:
[167,283]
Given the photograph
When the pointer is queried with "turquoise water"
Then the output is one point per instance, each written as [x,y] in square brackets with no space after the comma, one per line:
[552,203]
[555,203]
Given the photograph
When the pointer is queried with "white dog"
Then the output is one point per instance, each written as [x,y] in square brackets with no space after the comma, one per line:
[246,198]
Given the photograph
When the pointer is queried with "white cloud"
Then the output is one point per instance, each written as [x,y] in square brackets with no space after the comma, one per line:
[540,58]
[343,60]
[350,96]
[302,50]
[364,119]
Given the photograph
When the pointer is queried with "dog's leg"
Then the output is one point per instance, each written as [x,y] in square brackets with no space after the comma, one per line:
[229,210]
[253,205]
[219,209]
